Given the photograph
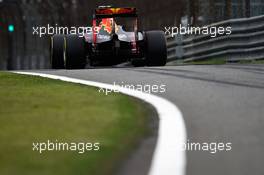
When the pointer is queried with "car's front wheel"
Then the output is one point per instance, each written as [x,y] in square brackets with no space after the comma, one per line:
[75,57]
[156,48]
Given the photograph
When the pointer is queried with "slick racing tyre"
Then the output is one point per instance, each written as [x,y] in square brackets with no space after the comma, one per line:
[156,48]
[74,52]
[56,52]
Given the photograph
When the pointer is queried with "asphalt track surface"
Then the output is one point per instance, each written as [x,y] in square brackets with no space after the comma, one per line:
[220,103]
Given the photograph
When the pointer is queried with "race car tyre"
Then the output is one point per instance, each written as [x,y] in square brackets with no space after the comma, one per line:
[56,52]
[156,48]
[74,52]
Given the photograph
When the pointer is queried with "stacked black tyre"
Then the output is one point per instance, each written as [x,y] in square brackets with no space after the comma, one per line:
[67,51]
[156,48]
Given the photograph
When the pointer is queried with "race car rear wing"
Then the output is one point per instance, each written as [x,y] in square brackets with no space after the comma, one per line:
[115,12]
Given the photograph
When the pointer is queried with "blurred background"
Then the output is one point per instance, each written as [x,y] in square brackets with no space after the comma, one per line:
[20,49]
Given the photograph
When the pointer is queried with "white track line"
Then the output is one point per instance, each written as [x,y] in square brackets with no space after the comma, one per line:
[168,158]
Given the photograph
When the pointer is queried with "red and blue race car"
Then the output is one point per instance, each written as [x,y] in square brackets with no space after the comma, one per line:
[115,39]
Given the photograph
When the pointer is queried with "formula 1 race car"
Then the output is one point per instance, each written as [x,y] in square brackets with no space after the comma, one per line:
[114,39]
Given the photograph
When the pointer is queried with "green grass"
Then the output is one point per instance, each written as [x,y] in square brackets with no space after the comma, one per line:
[251,61]
[34,109]
[219,61]
[214,61]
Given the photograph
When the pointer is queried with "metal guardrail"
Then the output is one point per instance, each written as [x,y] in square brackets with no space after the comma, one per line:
[246,42]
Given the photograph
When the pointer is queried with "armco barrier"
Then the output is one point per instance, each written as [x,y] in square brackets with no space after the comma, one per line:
[246,42]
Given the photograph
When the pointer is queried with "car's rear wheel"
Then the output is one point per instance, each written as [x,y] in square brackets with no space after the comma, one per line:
[75,57]
[57,52]
[156,48]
